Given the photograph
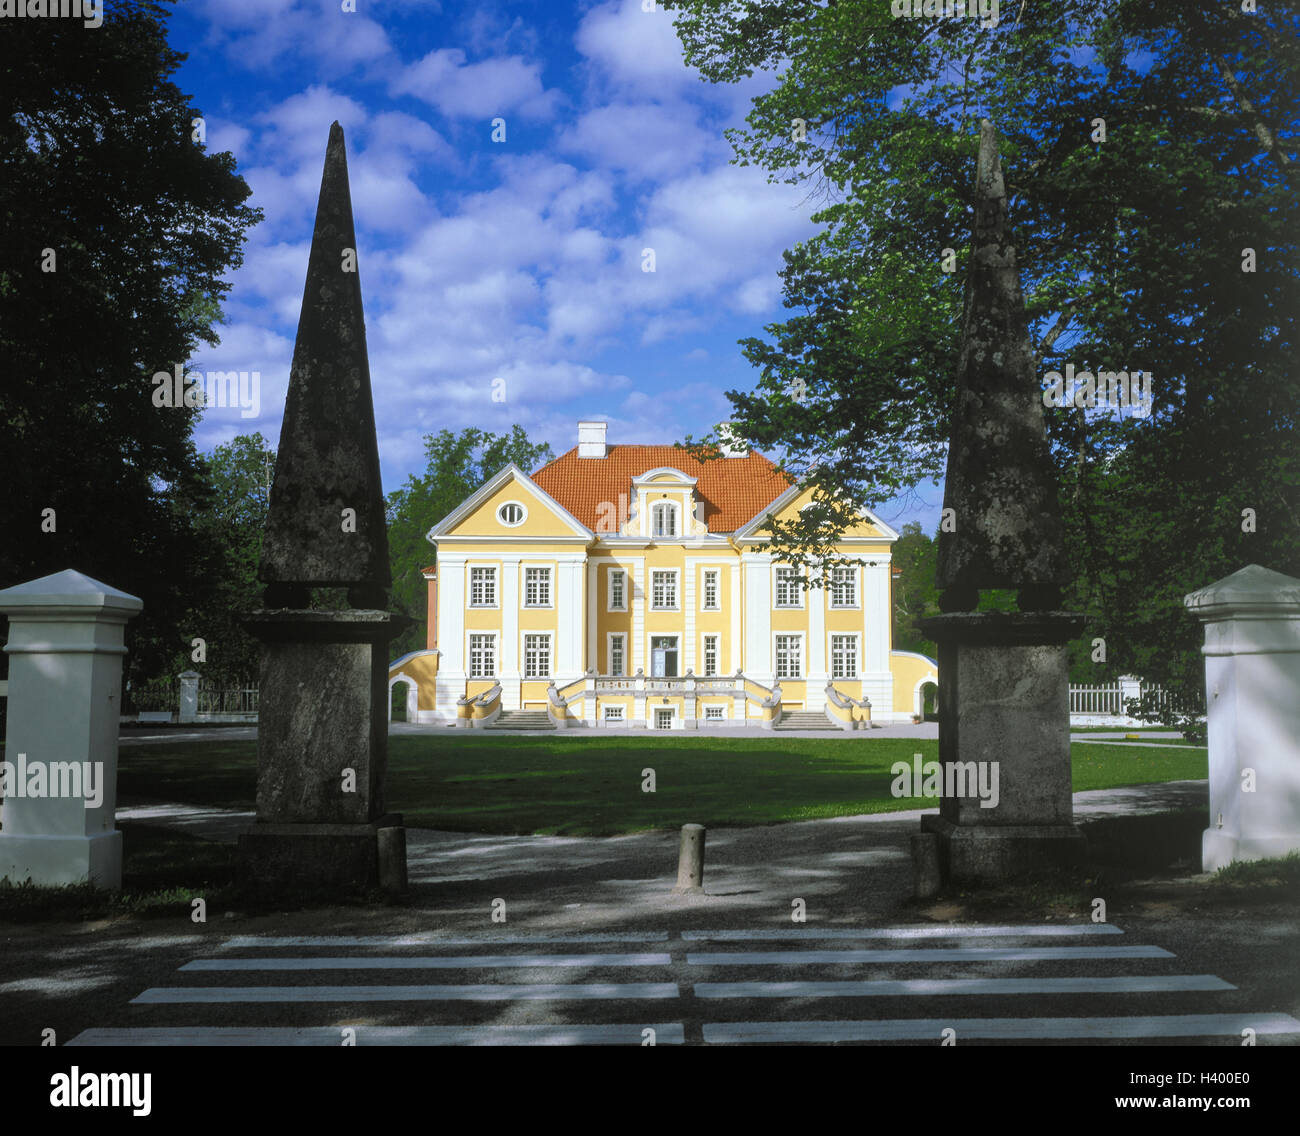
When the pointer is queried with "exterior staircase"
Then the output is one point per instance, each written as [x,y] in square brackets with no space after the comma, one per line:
[522,720]
[804,720]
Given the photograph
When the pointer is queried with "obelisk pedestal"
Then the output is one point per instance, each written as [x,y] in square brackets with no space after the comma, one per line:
[1004,691]
[322,751]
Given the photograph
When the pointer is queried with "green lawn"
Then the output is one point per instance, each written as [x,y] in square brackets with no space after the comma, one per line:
[471,782]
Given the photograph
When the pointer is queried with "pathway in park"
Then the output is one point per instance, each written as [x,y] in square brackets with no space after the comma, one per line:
[1074,983]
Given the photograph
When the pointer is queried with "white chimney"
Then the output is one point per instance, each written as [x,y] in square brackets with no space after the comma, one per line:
[730,445]
[591,439]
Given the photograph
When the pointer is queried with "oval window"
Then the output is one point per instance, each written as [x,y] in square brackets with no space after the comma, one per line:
[511,514]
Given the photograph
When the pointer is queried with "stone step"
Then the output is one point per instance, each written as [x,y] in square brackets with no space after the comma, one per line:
[804,720]
[522,720]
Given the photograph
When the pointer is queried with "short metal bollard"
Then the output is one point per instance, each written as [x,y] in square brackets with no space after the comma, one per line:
[690,861]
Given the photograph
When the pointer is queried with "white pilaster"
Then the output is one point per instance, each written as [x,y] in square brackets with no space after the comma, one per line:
[758,616]
[637,599]
[510,674]
[593,590]
[569,607]
[689,569]
[734,655]
[815,601]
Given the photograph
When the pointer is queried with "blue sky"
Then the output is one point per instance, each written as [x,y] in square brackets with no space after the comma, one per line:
[483,260]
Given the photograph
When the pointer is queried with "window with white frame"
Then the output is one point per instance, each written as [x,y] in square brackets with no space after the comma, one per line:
[710,589]
[617,655]
[789,652]
[537,656]
[844,587]
[511,514]
[482,656]
[613,713]
[617,589]
[788,591]
[710,655]
[537,587]
[663,590]
[844,656]
[663,519]
[714,713]
[482,587]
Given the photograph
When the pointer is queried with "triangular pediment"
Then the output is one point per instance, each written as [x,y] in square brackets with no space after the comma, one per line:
[510,506]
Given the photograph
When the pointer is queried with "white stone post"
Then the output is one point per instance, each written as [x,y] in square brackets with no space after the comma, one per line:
[1252,686]
[189,699]
[65,690]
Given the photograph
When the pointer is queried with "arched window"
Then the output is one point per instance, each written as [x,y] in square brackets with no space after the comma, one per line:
[663,519]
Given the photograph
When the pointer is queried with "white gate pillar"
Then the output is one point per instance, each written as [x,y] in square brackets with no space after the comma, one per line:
[60,770]
[1252,687]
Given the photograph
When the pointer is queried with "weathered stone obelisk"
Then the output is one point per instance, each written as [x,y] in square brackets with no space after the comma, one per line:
[322,738]
[1003,676]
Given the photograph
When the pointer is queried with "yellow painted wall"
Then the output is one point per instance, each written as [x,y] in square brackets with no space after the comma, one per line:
[908,669]
[421,669]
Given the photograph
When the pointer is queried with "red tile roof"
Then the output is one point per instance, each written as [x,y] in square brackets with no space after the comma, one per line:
[733,489]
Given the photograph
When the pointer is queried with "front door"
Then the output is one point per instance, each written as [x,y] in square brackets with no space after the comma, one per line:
[663,719]
[663,656]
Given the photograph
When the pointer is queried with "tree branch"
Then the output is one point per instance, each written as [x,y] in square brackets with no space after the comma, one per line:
[1267,138]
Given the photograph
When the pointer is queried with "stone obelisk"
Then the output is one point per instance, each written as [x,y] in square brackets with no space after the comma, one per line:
[322,737]
[1003,676]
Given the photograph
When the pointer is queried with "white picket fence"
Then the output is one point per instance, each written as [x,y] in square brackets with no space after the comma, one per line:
[1105,704]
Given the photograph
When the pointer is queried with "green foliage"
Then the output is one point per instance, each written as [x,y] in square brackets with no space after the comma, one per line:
[457,464]
[97,165]
[1130,252]
[915,594]
[229,523]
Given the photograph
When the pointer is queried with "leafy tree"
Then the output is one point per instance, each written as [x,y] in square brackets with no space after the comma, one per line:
[915,594]
[1149,151]
[457,465]
[229,524]
[118,234]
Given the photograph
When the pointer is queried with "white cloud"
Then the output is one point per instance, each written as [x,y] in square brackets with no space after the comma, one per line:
[254,34]
[634,48]
[483,90]
[643,140]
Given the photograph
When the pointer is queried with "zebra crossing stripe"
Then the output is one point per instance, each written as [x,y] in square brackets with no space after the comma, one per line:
[932,932]
[427,962]
[664,1034]
[275,942]
[486,993]
[924,954]
[991,1029]
[1128,984]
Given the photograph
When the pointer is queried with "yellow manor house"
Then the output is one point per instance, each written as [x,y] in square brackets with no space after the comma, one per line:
[632,586]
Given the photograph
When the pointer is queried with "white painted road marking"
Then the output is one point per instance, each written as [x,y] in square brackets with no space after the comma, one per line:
[665,1034]
[955,931]
[930,1029]
[1128,984]
[274,942]
[487,993]
[924,955]
[427,962]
